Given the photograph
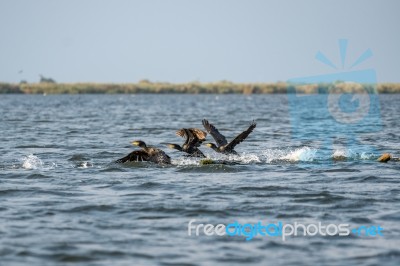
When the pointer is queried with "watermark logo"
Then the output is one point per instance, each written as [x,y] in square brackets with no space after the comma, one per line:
[335,108]
[280,229]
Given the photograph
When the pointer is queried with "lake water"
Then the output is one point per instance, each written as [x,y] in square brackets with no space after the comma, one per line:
[64,201]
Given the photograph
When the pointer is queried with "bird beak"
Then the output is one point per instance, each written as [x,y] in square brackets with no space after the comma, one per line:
[136,143]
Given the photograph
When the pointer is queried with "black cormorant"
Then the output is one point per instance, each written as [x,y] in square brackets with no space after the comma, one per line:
[194,137]
[147,153]
[223,145]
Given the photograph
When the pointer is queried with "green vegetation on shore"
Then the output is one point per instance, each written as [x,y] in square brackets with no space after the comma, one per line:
[222,87]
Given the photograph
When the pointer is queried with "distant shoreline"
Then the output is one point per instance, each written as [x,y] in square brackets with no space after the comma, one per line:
[223,87]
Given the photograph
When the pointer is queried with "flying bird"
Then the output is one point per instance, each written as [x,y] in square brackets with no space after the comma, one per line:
[194,138]
[222,144]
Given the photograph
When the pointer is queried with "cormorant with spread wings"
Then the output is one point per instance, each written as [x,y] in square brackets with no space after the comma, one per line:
[147,153]
[223,145]
[194,138]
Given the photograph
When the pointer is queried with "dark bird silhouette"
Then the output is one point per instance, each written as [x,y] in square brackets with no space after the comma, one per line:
[194,138]
[147,153]
[222,145]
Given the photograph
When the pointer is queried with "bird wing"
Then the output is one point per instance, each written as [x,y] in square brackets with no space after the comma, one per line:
[219,138]
[197,153]
[158,156]
[135,156]
[184,133]
[197,137]
[181,132]
[194,136]
[242,136]
[192,139]
[200,134]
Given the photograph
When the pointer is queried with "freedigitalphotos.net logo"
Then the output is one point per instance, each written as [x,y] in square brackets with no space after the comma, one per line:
[280,229]
[342,105]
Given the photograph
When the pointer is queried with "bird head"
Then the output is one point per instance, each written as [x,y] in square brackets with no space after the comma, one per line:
[210,145]
[139,143]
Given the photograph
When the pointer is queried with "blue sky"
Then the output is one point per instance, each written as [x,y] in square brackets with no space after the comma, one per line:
[181,41]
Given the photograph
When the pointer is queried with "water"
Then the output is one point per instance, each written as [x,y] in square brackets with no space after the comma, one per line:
[63,201]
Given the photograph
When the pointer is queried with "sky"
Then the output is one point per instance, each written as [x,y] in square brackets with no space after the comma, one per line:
[123,41]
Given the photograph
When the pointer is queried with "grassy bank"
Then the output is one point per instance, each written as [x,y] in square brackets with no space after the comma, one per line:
[194,88]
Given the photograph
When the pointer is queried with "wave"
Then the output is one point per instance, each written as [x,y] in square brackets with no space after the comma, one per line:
[266,156]
[244,158]
[270,156]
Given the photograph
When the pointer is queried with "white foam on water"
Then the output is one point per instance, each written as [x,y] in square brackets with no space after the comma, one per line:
[304,154]
[366,156]
[340,153]
[241,158]
[349,153]
[33,162]
[271,155]
[245,158]
[185,161]
[343,153]
[85,165]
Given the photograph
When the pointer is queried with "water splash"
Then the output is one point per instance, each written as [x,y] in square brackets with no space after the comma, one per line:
[270,155]
[246,158]
[367,156]
[32,162]
[342,152]
[84,164]
[304,154]
[352,154]
[183,161]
